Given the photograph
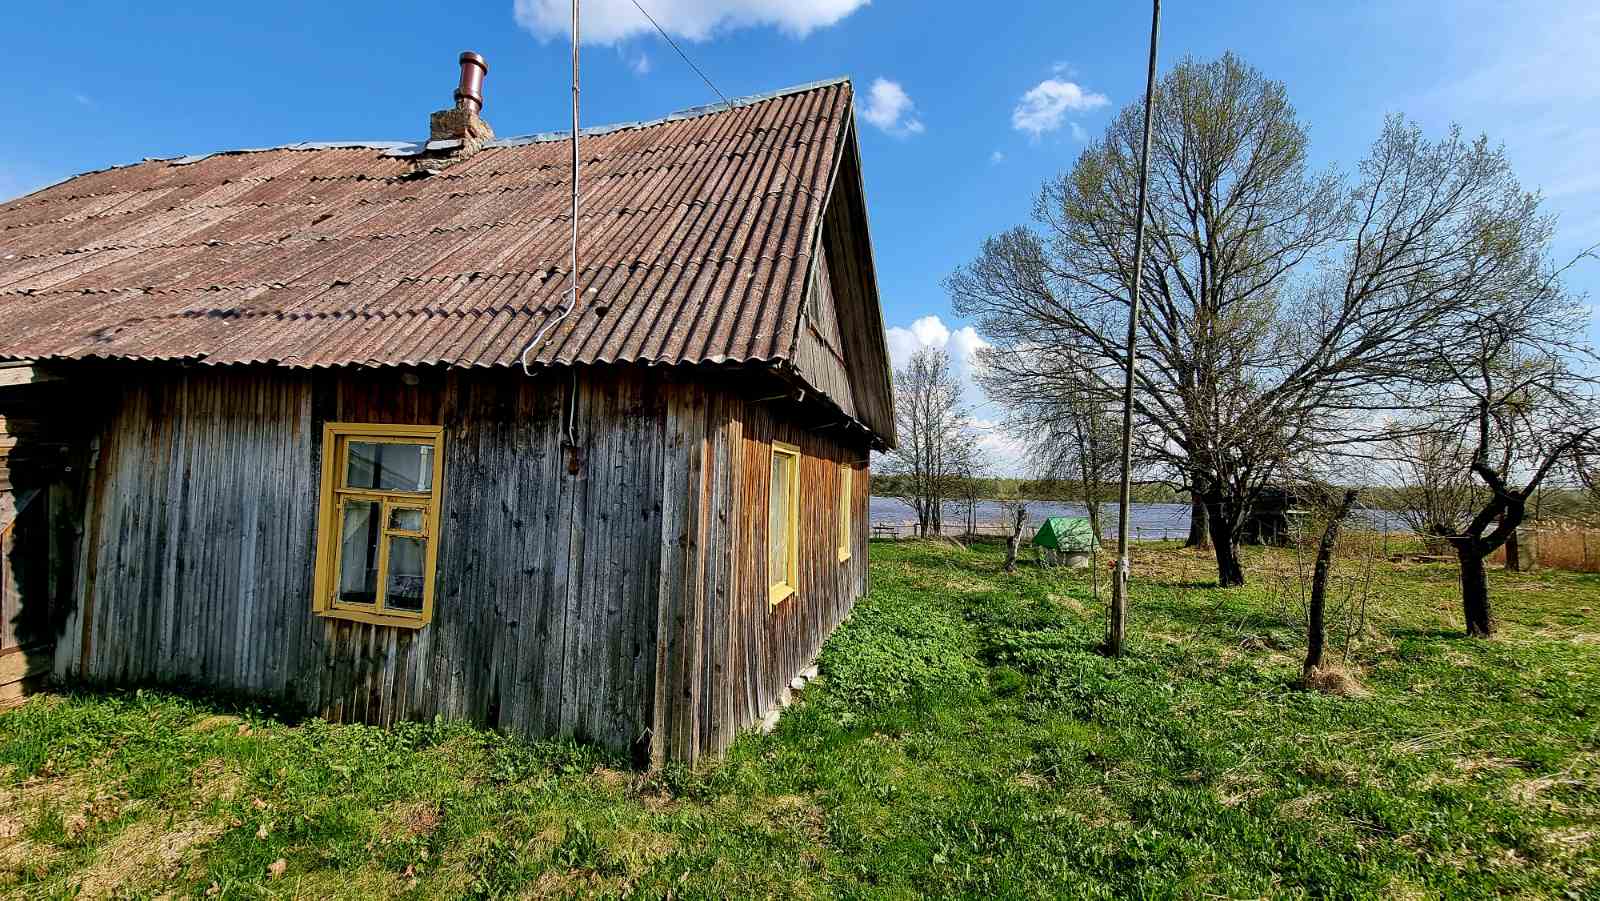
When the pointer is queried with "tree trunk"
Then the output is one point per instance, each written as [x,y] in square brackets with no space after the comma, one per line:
[1198,534]
[1474,588]
[1230,572]
[1316,630]
[1093,506]
[1513,553]
[1015,541]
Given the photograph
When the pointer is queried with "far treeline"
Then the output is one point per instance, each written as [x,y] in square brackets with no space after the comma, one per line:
[1403,322]
[1564,504]
[1061,490]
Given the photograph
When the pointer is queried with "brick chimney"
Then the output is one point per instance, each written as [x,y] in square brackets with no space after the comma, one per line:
[461,124]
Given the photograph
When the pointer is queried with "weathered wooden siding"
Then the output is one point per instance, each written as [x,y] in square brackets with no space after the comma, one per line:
[728,654]
[840,349]
[569,574]
[205,541]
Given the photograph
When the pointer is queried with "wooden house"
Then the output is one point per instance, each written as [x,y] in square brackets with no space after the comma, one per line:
[322,424]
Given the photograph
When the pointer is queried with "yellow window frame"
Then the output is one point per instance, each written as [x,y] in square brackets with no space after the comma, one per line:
[336,438]
[846,477]
[787,583]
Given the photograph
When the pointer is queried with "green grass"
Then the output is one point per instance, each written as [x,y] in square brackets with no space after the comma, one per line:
[965,740]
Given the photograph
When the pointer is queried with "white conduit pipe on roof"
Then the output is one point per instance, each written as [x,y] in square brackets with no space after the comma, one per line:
[572,276]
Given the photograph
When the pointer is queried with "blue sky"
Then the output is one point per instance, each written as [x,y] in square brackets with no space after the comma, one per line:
[966,120]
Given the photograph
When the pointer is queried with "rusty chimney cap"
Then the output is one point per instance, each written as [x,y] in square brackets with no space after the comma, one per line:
[469,93]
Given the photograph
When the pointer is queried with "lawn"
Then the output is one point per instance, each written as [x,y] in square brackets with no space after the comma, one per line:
[964,739]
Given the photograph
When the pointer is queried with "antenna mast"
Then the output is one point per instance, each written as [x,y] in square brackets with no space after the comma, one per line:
[1119,582]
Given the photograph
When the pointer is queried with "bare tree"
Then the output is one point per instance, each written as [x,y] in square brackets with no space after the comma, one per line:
[1435,495]
[1286,314]
[1589,474]
[1055,407]
[1521,387]
[970,485]
[935,437]
[1316,629]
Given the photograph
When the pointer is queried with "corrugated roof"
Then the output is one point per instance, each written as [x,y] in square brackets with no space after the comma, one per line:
[696,247]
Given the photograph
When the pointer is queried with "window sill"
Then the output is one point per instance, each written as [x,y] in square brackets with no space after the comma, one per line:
[779,593]
[374,619]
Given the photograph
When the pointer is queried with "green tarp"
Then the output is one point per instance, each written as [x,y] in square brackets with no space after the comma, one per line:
[1066,533]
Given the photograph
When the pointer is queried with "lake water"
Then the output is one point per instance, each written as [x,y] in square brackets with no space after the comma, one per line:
[1149,522]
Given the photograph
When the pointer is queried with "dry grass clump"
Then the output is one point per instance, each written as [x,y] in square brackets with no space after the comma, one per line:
[1333,679]
[1571,547]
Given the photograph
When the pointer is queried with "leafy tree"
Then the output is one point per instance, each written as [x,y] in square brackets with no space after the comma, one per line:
[1288,316]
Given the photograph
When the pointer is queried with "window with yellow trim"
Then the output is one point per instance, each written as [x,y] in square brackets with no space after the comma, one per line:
[379,536]
[783,515]
[846,474]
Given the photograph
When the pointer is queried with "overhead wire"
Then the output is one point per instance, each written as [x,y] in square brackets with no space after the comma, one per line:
[572,288]
[729,104]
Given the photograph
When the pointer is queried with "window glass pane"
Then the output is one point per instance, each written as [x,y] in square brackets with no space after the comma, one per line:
[358,555]
[390,467]
[778,536]
[405,519]
[406,556]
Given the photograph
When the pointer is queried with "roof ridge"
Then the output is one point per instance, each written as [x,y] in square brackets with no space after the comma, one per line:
[692,112]
[413,148]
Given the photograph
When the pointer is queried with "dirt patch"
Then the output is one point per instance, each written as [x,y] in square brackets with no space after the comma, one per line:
[217,780]
[419,818]
[145,853]
[24,856]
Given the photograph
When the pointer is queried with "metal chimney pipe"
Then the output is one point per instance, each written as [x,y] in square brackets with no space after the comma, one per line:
[469,94]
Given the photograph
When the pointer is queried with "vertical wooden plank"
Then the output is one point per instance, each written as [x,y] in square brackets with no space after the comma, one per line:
[682,577]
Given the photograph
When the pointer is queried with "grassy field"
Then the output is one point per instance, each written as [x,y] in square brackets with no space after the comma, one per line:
[964,740]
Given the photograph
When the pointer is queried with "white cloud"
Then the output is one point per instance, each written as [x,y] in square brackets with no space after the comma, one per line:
[997,157]
[1004,454]
[1078,134]
[640,64]
[930,331]
[610,21]
[1045,106]
[889,107]
[961,344]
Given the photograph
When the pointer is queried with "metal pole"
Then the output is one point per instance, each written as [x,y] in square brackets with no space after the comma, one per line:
[1118,627]
[572,300]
